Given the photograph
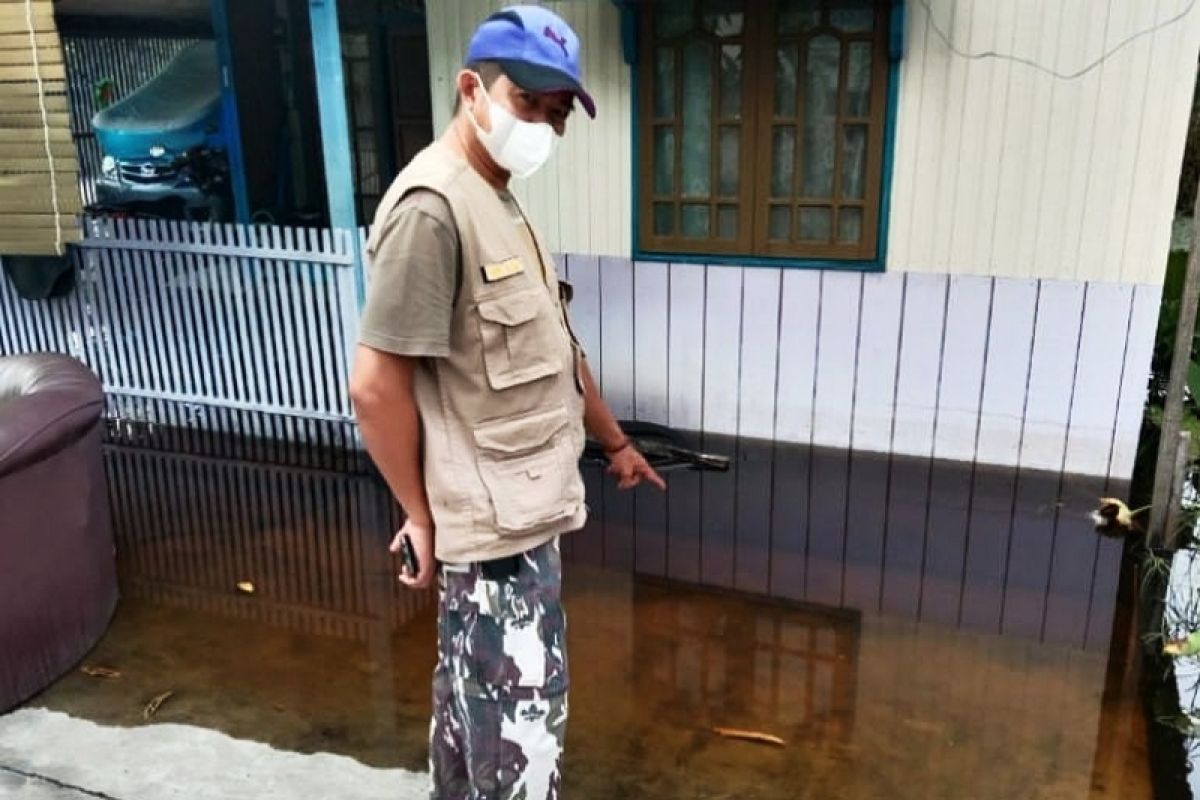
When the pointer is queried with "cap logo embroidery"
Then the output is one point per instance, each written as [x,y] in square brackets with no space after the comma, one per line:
[561,41]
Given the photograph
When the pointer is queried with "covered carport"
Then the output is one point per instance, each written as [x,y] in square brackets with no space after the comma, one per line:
[286,123]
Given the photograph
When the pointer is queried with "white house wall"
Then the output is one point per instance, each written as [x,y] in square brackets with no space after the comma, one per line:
[1028,236]
[1001,169]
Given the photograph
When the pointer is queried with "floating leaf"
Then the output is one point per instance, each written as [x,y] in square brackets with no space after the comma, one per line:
[1113,514]
[749,736]
[154,705]
[99,672]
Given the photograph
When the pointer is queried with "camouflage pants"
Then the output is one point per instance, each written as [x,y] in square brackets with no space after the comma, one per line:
[500,685]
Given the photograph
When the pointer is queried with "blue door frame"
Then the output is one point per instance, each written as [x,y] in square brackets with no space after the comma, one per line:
[335,128]
[229,112]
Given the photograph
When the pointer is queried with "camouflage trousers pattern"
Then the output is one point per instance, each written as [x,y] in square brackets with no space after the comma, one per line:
[500,684]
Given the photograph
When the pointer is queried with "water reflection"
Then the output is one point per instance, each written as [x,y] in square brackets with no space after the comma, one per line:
[910,629]
[721,660]
[979,547]
[983,548]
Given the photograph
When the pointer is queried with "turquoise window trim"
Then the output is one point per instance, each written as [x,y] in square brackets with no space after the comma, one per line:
[896,23]
[629,29]
[845,265]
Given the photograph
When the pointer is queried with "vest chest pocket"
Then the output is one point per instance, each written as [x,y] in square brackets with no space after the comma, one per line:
[519,341]
[528,467]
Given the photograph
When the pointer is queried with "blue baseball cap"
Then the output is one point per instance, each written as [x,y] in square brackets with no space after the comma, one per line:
[537,50]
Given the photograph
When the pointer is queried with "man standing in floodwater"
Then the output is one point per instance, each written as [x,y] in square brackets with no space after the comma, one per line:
[473,394]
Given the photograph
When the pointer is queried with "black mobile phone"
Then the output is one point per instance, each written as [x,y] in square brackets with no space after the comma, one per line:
[408,556]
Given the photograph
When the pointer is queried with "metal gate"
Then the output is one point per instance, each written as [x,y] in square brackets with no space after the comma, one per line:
[251,325]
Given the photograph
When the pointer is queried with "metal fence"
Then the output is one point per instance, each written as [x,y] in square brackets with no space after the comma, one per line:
[237,329]
[124,63]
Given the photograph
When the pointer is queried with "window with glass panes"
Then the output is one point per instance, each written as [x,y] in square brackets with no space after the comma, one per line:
[761,127]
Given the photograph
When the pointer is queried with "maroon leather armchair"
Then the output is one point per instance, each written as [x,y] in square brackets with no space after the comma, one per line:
[58,585]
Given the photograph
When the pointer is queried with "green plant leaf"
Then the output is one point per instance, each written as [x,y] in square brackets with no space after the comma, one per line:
[1193,380]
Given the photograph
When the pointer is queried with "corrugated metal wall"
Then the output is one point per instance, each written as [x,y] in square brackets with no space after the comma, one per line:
[581,199]
[1000,169]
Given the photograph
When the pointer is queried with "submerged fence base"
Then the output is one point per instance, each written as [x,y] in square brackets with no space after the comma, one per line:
[298,548]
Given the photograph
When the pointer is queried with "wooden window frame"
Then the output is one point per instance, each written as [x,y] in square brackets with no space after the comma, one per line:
[759,42]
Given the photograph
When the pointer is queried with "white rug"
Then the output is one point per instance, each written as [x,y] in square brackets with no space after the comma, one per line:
[162,762]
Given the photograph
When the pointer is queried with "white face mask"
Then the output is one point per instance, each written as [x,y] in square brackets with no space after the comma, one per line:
[516,145]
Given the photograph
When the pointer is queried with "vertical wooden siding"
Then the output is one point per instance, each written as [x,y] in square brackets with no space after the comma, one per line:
[1042,374]
[1002,169]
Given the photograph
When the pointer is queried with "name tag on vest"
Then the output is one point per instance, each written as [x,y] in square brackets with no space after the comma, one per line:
[502,269]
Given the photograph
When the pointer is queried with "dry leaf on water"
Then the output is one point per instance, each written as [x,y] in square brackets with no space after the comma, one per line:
[99,672]
[1113,514]
[154,705]
[749,736]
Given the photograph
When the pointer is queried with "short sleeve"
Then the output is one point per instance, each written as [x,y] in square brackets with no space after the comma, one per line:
[414,277]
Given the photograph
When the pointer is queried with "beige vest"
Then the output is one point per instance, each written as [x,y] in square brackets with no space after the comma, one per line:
[502,417]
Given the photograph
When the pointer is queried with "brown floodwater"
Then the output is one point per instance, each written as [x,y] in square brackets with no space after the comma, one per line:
[910,629]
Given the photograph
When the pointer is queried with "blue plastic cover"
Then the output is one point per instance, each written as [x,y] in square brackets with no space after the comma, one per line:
[177,109]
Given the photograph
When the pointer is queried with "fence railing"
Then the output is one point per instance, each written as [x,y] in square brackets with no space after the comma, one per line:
[252,319]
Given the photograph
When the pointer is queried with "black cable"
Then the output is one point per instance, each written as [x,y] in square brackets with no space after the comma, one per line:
[1029,62]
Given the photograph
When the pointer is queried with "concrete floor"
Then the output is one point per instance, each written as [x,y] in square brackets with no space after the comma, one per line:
[29,787]
[48,754]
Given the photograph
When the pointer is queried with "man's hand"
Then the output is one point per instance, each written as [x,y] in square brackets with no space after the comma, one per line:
[625,463]
[630,468]
[421,536]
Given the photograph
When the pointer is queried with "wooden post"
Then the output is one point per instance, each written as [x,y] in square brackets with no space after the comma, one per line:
[1165,476]
[1183,447]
